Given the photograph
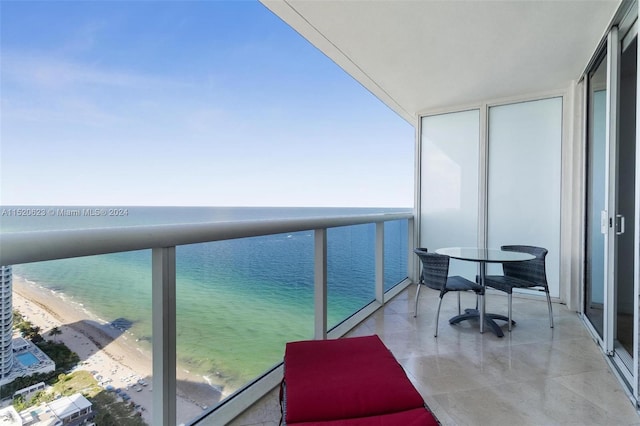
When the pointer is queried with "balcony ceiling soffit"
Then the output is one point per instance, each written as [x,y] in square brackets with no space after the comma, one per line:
[419,56]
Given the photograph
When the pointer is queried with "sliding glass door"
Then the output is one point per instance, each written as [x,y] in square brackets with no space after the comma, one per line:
[596,195]
[624,200]
[611,240]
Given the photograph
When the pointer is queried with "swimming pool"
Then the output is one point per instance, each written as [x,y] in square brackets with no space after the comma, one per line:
[27,359]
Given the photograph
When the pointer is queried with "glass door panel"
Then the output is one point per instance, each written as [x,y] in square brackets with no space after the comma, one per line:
[525,141]
[596,196]
[625,198]
[450,150]
[612,216]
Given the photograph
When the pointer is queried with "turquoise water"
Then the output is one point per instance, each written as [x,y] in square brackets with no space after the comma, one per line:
[238,301]
[27,359]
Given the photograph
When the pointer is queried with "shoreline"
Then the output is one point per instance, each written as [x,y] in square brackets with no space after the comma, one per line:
[108,351]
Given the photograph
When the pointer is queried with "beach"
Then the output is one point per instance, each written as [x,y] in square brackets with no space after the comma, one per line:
[107,351]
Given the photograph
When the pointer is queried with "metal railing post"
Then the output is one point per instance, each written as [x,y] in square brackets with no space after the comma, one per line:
[320,284]
[163,296]
[379,262]
[412,241]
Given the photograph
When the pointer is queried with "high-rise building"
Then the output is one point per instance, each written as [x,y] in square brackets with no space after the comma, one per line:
[18,356]
[6,322]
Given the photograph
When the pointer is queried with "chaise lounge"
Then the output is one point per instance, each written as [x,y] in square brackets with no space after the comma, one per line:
[348,382]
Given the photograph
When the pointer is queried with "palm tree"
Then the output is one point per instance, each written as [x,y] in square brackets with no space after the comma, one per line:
[55,331]
[32,332]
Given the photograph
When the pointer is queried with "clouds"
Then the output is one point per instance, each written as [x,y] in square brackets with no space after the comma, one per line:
[187,103]
[43,71]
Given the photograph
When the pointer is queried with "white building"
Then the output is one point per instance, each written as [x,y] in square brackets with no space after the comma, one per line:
[18,356]
[6,323]
[10,417]
[68,410]
[29,391]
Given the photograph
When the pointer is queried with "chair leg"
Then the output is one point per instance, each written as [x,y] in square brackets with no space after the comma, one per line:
[550,311]
[437,317]
[509,297]
[459,311]
[417,294]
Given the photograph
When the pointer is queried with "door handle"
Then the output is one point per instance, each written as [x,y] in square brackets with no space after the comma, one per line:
[604,222]
[619,224]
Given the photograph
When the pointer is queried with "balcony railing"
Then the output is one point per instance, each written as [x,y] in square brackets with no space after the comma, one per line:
[26,247]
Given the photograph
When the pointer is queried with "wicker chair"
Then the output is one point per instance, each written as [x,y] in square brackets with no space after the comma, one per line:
[435,270]
[528,274]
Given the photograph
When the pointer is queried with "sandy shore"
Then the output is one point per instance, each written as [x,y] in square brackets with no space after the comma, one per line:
[106,350]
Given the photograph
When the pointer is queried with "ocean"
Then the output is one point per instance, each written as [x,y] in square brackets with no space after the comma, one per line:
[238,301]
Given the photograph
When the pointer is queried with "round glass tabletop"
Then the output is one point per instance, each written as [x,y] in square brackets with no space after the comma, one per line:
[484,255]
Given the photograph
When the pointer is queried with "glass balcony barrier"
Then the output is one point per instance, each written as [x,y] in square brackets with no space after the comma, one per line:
[225,306]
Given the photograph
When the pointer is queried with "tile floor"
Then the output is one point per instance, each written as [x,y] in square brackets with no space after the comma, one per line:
[534,375]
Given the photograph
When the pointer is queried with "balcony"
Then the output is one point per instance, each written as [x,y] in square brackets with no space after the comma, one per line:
[169,245]
[533,376]
[474,121]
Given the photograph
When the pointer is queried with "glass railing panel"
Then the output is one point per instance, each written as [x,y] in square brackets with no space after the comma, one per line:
[238,303]
[116,289]
[396,246]
[350,270]
[98,307]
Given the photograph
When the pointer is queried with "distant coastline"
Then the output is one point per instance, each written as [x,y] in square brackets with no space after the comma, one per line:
[105,350]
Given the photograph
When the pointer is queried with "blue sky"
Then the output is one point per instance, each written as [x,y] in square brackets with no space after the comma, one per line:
[214,103]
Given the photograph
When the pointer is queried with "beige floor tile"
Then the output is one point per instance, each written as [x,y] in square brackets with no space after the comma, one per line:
[265,412]
[589,385]
[547,402]
[481,407]
[534,375]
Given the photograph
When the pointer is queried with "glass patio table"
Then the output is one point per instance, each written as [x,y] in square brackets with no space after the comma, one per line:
[483,256]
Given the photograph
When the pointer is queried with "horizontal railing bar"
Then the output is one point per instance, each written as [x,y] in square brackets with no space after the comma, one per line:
[36,246]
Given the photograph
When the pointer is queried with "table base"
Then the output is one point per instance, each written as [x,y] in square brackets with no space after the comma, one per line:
[488,319]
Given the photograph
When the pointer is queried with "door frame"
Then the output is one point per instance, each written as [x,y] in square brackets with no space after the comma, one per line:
[621,32]
[613,87]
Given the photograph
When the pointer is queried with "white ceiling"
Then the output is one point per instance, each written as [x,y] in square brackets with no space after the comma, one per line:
[419,56]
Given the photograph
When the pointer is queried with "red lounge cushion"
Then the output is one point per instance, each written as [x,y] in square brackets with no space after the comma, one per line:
[344,379]
[415,417]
